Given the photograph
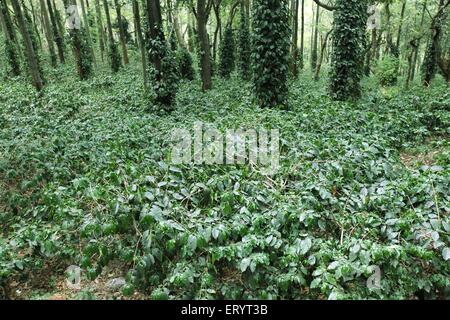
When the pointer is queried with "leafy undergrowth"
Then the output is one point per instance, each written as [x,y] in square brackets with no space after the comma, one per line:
[86,180]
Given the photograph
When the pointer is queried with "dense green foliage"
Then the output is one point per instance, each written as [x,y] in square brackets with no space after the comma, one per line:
[227,53]
[185,64]
[349,33]
[87,183]
[387,70]
[270,52]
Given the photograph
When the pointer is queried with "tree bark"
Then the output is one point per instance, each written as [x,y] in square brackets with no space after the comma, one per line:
[202,13]
[31,55]
[88,32]
[140,40]
[123,41]
[48,32]
[100,30]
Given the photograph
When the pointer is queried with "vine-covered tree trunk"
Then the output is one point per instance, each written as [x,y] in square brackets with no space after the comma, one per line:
[294,45]
[100,31]
[137,21]
[59,40]
[227,58]
[302,38]
[315,43]
[164,73]
[31,54]
[244,49]
[270,56]
[114,55]
[12,53]
[218,30]
[48,32]
[88,32]
[400,26]
[80,46]
[123,40]
[433,51]
[203,11]
[349,27]
[32,21]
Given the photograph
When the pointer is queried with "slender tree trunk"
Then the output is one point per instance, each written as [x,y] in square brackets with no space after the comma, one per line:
[416,46]
[316,41]
[100,30]
[322,52]
[294,46]
[399,33]
[216,7]
[48,32]
[88,32]
[56,32]
[302,38]
[34,21]
[203,12]
[33,62]
[11,39]
[137,21]
[176,25]
[123,40]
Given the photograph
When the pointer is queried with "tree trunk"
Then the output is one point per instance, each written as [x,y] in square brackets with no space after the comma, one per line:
[217,31]
[100,30]
[140,40]
[11,39]
[314,53]
[294,46]
[34,22]
[56,32]
[203,11]
[302,38]
[123,41]
[176,25]
[322,52]
[399,33]
[31,55]
[434,47]
[48,32]
[88,31]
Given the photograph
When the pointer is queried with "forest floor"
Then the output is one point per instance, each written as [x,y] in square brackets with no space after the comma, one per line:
[87,180]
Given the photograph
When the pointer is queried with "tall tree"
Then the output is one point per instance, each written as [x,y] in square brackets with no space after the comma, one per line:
[57,34]
[202,13]
[31,54]
[244,48]
[433,52]
[12,52]
[270,56]
[48,32]
[347,61]
[164,68]
[100,30]
[137,21]
[302,38]
[88,31]
[294,45]
[315,44]
[123,40]
[114,55]
[80,45]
